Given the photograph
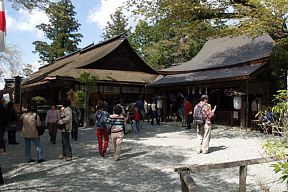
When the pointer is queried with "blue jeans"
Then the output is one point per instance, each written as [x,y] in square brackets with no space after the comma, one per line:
[137,127]
[66,147]
[37,143]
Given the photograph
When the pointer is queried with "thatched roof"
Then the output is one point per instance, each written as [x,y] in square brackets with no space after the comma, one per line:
[99,60]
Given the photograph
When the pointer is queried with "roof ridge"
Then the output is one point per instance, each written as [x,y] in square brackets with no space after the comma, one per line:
[120,36]
[88,47]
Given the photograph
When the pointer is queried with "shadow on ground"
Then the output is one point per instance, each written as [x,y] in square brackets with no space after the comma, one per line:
[142,167]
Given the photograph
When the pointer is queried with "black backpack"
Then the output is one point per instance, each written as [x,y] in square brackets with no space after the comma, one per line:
[198,118]
[101,120]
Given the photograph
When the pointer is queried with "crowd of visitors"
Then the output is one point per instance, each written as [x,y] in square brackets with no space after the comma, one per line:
[116,122]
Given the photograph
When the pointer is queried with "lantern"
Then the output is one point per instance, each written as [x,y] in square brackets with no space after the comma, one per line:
[193,91]
[237,102]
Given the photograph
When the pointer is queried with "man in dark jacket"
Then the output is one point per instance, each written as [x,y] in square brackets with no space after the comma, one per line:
[2,129]
[76,115]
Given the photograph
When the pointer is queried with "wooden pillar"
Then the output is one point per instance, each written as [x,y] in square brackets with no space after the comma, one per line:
[247,104]
[187,182]
[244,112]
[17,93]
[184,187]
[242,178]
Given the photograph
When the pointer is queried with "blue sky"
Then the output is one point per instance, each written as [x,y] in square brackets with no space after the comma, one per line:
[21,31]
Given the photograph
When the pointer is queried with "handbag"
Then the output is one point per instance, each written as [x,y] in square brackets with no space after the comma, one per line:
[40,128]
[61,126]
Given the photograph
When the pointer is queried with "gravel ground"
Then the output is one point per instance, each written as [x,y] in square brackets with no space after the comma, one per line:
[147,163]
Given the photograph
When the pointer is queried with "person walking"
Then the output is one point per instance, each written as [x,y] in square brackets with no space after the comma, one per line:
[130,115]
[76,117]
[101,116]
[202,118]
[52,117]
[1,152]
[139,103]
[154,113]
[3,119]
[121,104]
[137,119]
[30,120]
[2,127]
[188,110]
[65,123]
[115,123]
[12,124]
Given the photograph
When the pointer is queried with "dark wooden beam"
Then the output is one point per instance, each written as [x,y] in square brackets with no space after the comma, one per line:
[207,167]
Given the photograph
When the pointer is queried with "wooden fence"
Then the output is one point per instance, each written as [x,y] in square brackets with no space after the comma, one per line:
[189,185]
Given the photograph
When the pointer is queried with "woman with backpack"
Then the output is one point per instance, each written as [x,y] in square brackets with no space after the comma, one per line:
[202,119]
[101,117]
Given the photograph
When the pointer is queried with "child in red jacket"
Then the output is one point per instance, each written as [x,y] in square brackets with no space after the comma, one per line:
[137,118]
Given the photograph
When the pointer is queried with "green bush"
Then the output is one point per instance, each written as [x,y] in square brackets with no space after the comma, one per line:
[277,147]
[80,98]
[38,100]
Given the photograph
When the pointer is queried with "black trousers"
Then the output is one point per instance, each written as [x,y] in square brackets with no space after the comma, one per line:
[154,115]
[66,147]
[1,176]
[2,132]
[11,137]
[189,120]
[74,132]
[2,145]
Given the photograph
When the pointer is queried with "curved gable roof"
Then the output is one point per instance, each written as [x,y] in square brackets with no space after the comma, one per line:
[227,52]
[82,58]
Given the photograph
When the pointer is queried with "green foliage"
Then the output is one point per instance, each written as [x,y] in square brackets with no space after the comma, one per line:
[29,4]
[282,167]
[277,147]
[281,109]
[61,31]
[38,100]
[279,63]
[87,79]
[117,25]
[258,17]
[80,98]
[27,71]
[172,31]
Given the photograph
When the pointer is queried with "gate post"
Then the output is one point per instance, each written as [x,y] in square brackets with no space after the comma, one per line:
[242,178]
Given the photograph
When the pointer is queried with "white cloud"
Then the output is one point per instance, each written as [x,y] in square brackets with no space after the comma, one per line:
[35,65]
[26,21]
[101,14]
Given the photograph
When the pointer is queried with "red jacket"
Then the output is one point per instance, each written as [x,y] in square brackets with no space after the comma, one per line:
[187,107]
[137,116]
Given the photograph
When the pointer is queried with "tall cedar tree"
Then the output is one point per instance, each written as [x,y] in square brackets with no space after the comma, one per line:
[61,31]
[172,31]
[175,30]
[29,4]
[117,25]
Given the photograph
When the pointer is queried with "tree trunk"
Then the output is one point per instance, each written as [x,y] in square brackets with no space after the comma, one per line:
[86,107]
